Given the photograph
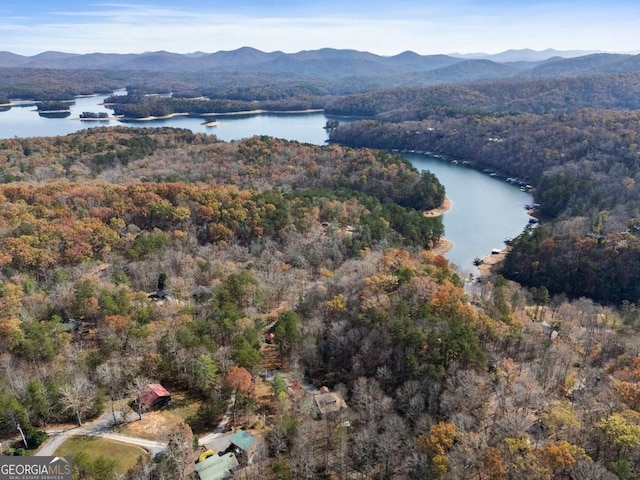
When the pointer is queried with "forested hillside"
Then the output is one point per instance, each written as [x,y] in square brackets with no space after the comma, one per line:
[138,255]
[249,74]
[245,275]
[140,106]
[583,163]
[124,154]
[500,96]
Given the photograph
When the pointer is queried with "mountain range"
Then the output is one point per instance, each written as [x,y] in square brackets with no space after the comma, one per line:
[334,63]
[526,55]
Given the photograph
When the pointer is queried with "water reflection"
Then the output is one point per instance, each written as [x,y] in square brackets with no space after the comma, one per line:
[54,114]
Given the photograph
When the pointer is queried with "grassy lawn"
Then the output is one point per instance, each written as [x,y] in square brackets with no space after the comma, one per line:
[156,425]
[182,406]
[125,455]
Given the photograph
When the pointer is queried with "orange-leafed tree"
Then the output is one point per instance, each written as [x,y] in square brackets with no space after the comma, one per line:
[117,326]
[10,303]
[557,457]
[119,323]
[436,445]
[241,384]
[629,393]
[492,465]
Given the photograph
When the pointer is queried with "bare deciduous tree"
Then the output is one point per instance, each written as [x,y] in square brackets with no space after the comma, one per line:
[78,397]
[180,450]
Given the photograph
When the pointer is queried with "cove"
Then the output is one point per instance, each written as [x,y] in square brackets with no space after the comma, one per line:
[484,212]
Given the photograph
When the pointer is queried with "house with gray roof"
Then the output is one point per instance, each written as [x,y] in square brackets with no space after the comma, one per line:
[217,467]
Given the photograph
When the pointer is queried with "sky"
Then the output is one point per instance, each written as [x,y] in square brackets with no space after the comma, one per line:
[29,27]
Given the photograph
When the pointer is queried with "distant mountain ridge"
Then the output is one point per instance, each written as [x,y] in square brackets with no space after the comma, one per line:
[525,55]
[330,62]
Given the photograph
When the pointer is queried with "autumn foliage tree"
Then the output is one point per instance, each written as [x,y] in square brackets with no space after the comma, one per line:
[442,381]
[492,465]
[241,384]
[436,444]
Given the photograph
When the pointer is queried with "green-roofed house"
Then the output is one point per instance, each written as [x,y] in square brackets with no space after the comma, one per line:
[243,444]
[216,467]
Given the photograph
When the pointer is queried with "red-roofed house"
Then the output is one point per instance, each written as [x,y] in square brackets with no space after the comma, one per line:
[154,395]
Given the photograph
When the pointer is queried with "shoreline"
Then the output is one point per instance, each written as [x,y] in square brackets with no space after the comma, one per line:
[258,112]
[224,114]
[441,210]
[122,118]
[20,103]
[443,247]
[105,119]
[492,263]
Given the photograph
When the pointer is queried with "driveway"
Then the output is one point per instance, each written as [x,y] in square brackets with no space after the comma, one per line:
[98,428]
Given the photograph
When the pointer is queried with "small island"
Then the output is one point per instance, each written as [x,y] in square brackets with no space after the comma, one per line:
[94,116]
[52,107]
[211,122]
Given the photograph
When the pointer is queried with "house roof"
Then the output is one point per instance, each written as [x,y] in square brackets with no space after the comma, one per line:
[216,467]
[329,402]
[595,235]
[152,392]
[159,294]
[243,440]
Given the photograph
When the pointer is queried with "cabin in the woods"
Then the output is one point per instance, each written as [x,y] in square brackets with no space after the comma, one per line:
[328,403]
[243,445]
[240,448]
[154,395]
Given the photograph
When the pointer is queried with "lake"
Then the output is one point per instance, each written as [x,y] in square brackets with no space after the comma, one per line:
[485,210]
[25,122]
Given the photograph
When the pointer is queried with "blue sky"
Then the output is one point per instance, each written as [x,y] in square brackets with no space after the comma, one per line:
[29,27]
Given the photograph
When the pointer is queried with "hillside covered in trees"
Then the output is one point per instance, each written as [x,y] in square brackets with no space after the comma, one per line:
[327,248]
[133,255]
[137,106]
[574,140]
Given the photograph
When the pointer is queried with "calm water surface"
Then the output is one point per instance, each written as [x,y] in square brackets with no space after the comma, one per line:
[485,210]
[307,128]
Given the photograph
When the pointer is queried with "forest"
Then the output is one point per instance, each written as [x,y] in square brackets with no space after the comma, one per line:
[134,105]
[243,275]
[441,378]
[582,161]
[87,235]
[538,96]
[57,84]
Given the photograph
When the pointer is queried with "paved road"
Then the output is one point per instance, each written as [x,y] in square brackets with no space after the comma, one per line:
[97,428]
[54,441]
[153,446]
[102,428]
